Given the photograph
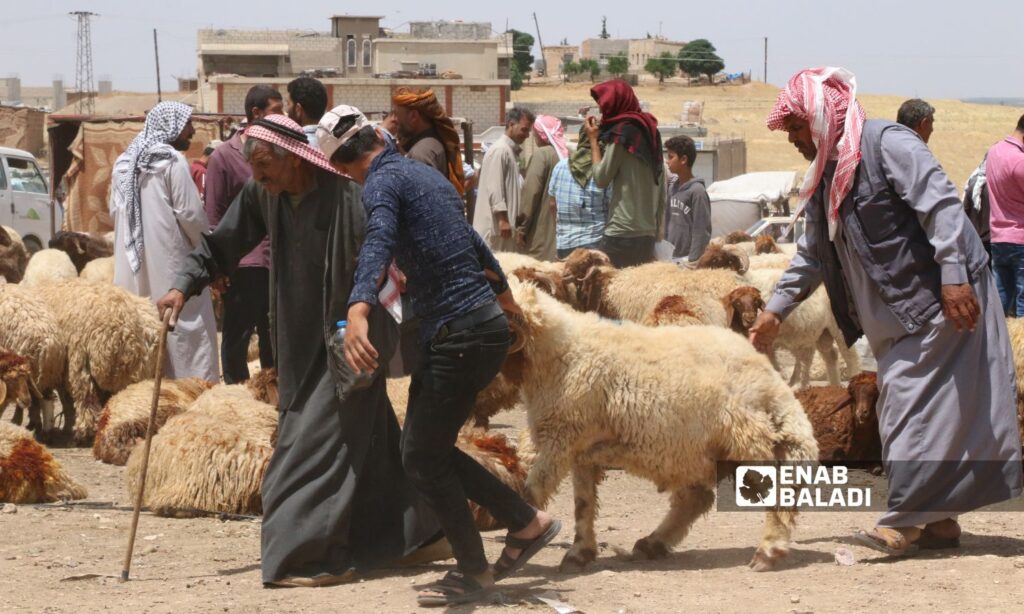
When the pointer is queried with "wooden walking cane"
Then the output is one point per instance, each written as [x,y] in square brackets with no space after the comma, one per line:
[157,379]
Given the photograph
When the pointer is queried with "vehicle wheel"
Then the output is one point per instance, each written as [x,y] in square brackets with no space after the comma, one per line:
[32,245]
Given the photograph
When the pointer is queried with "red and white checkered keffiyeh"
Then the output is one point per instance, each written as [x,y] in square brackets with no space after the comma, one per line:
[282,131]
[827,99]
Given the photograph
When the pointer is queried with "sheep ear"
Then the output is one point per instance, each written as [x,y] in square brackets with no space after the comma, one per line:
[730,311]
[3,394]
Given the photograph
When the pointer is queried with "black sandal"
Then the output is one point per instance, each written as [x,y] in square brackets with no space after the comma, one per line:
[506,565]
[454,588]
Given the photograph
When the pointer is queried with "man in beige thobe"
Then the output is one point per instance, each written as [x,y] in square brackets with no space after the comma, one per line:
[497,202]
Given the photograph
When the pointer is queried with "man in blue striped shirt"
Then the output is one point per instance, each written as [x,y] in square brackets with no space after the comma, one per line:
[581,206]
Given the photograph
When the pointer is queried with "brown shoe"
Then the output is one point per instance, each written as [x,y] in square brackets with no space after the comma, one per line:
[439,550]
[314,581]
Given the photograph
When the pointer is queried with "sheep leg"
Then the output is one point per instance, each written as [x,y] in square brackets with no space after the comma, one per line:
[18,415]
[802,367]
[688,504]
[827,348]
[68,412]
[548,471]
[774,544]
[585,479]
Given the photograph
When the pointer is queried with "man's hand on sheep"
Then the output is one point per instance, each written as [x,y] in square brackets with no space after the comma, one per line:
[173,300]
[359,352]
[764,331]
[960,305]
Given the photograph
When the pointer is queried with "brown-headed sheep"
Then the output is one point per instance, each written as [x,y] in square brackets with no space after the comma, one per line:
[99,270]
[701,395]
[82,248]
[13,255]
[737,236]
[845,420]
[47,266]
[723,257]
[549,281]
[29,328]
[210,458]
[110,336]
[581,260]
[765,244]
[263,386]
[125,417]
[29,473]
[742,306]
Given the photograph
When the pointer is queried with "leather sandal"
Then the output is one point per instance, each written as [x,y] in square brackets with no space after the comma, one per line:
[891,542]
[454,588]
[506,565]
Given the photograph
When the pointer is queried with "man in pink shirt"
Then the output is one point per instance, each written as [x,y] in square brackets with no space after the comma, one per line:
[1004,170]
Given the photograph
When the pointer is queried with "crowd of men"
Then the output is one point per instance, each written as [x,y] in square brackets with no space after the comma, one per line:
[306,217]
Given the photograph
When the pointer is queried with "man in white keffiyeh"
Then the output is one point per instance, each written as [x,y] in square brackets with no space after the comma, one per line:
[158,217]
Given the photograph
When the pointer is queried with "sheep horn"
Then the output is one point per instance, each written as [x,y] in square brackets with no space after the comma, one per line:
[517,323]
[847,403]
[740,253]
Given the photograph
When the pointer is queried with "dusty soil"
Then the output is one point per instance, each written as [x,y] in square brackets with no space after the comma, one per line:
[209,565]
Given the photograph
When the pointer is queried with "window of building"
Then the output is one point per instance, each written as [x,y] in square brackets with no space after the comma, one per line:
[350,52]
[367,53]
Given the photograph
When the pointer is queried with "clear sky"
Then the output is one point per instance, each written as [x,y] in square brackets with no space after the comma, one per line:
[927,48]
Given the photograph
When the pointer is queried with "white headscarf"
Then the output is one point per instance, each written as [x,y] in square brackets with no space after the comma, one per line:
[164,124]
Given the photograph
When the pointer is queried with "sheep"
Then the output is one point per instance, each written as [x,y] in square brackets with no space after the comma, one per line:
[13,255]
[673,310]
[696,396]
[765,244]
[110,336]
[845,420]
[808,327]
[770,261]
[581,260]
[1015,326]
[82,248]
[16,386]
[263,386]
[29,328]
[210,458]
[724,257]
[553,283]
[742,306]
[125,417]
[510,261]
[29,473]
[48,265]
[737,236]
[99,270]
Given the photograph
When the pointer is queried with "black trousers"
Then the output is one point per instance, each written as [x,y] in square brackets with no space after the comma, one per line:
[628,251]
[246,308]
[452,370]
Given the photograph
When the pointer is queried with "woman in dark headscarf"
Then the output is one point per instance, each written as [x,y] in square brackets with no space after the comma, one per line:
[632,164]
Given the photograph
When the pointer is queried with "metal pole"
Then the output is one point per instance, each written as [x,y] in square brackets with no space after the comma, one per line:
[766,59]
[540,43]
[467,155]
[156,53]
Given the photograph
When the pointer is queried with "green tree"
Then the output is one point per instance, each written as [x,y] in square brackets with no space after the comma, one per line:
[662,67]
[618,65]
[590,66]
[699,57]
[515,77]
[522,45]
[604,28]
[571,69]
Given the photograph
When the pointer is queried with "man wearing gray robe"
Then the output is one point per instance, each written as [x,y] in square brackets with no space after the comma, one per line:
[335,497]
[900,266]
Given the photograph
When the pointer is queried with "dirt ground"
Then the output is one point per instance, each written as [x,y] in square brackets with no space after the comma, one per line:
[209,565]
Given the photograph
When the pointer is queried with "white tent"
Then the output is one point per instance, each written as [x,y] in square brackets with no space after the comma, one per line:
[737,203]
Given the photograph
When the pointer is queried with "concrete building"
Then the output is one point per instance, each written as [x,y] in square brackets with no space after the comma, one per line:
[557,56]
[643,49]
[362,64]
[603,48]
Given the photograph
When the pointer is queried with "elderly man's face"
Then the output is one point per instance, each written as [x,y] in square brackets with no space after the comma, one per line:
[408,123]
[276,174]
[800,136]
[184,139]
[925,128]
[520,130]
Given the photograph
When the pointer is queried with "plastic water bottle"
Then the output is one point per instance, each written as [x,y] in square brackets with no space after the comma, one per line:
[349,380]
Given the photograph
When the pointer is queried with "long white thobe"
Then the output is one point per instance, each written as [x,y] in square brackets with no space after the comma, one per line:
[498,192]
[172,220]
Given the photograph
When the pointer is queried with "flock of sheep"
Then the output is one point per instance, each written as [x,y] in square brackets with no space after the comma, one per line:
[646,369]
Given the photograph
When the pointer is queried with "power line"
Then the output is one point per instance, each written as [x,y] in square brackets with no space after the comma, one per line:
[83,63]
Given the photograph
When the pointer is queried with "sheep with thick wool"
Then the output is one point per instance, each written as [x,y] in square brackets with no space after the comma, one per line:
[16,386]
[210,458]
[81,247]
[29,473]
[665,404]
[110,336]
[99,270]
[47,266]
[13,255]
[845,420]
[770,261]
[808,327]
[29,328]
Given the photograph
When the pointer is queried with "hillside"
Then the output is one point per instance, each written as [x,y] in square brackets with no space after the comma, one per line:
[963,132]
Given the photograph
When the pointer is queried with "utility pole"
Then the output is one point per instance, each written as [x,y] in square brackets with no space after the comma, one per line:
[766,59]
[541,44]
[83,63]
[156,53]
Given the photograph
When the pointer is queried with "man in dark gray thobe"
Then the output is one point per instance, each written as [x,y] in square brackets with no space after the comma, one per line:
[886,234]
[335,497]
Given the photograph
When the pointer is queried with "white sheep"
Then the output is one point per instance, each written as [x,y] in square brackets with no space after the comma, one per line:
[49,265]
[29,473]
[110,336]
[665,404]
[100,269]
[510,261]
[770,261]
[29,328]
